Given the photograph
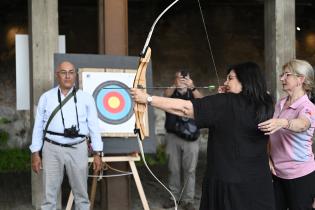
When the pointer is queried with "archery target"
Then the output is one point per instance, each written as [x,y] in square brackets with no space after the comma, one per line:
[110,89]
[113,102]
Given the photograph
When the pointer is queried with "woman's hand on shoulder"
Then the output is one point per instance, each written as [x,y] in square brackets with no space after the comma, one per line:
[273,125]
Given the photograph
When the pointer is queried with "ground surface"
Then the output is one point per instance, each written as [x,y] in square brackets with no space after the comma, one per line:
[15,189]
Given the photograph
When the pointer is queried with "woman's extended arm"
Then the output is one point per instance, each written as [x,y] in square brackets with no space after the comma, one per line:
[174,106]
[296,125]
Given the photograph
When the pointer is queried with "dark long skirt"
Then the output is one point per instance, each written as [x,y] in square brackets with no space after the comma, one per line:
[253,195]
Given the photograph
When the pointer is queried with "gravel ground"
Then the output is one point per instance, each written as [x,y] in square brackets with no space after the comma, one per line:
[15,189]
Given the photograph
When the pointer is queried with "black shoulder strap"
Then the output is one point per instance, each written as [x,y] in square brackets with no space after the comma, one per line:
[56,110]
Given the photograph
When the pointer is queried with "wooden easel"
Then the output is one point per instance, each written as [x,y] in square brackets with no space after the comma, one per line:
[131,160]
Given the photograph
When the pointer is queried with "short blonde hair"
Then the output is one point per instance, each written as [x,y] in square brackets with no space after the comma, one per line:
[302,68]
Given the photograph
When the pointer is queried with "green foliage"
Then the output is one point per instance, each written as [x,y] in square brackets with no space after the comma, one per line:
[4,137]
[4,120]
[15,160]
[160,158]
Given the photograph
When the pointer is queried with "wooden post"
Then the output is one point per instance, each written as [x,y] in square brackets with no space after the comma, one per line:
[113,40]
[113,27]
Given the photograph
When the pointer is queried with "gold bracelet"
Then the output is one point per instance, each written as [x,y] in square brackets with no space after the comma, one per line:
[289,124]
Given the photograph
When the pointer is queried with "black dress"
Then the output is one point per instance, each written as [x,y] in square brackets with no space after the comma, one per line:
[237,175]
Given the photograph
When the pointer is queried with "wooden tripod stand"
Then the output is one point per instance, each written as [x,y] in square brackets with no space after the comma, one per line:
[131,160]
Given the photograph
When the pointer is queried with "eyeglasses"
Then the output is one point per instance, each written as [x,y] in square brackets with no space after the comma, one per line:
[65,73]
[230,77]
[286,74]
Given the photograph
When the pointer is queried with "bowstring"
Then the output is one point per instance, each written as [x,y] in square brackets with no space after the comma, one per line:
[208,41]
[153,26]
[215,69]
[138,136]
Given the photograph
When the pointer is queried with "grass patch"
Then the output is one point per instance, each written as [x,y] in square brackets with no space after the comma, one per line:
[4,120]
[4,137]
[15,160]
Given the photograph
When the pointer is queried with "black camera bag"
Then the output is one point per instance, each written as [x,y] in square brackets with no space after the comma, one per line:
[186,128]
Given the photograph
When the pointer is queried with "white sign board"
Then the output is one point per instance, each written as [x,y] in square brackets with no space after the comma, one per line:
[23,69]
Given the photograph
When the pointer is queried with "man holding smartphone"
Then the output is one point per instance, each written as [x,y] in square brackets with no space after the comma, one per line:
[182,149]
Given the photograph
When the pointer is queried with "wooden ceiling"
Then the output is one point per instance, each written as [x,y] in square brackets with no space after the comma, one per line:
[9,8]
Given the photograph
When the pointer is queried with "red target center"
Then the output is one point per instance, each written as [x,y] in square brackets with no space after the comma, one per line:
[113,102]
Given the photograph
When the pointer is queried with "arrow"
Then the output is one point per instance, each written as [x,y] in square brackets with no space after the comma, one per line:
[210,87]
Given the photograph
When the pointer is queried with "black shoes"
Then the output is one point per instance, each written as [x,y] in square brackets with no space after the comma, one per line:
[188,206]
[184,206]
[169,204]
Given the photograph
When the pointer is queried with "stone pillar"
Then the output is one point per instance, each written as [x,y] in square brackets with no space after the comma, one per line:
[279,40]
[113,40]
[43,43]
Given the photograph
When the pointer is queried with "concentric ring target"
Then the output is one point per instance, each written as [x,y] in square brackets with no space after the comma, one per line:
[113,102]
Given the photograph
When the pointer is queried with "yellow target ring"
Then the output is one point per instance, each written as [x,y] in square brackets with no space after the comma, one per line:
[114,102]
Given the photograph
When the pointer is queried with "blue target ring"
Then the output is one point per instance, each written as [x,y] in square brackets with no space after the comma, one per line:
[113,102]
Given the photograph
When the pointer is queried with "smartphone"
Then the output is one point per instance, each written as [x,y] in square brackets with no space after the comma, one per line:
[184,74]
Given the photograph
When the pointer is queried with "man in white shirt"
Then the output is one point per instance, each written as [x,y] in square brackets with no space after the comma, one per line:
[63,142]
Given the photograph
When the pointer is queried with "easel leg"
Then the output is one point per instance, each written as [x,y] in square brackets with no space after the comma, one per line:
[139,185]
[93,190]
[70,201]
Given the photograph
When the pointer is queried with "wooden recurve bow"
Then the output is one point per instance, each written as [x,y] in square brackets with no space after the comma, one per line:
[140,82]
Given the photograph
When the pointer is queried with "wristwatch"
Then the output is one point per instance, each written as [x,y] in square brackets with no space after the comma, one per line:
[99,153]
[35,153]
[149,99]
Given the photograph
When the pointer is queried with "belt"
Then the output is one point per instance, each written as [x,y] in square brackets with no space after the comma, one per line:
[63,145]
